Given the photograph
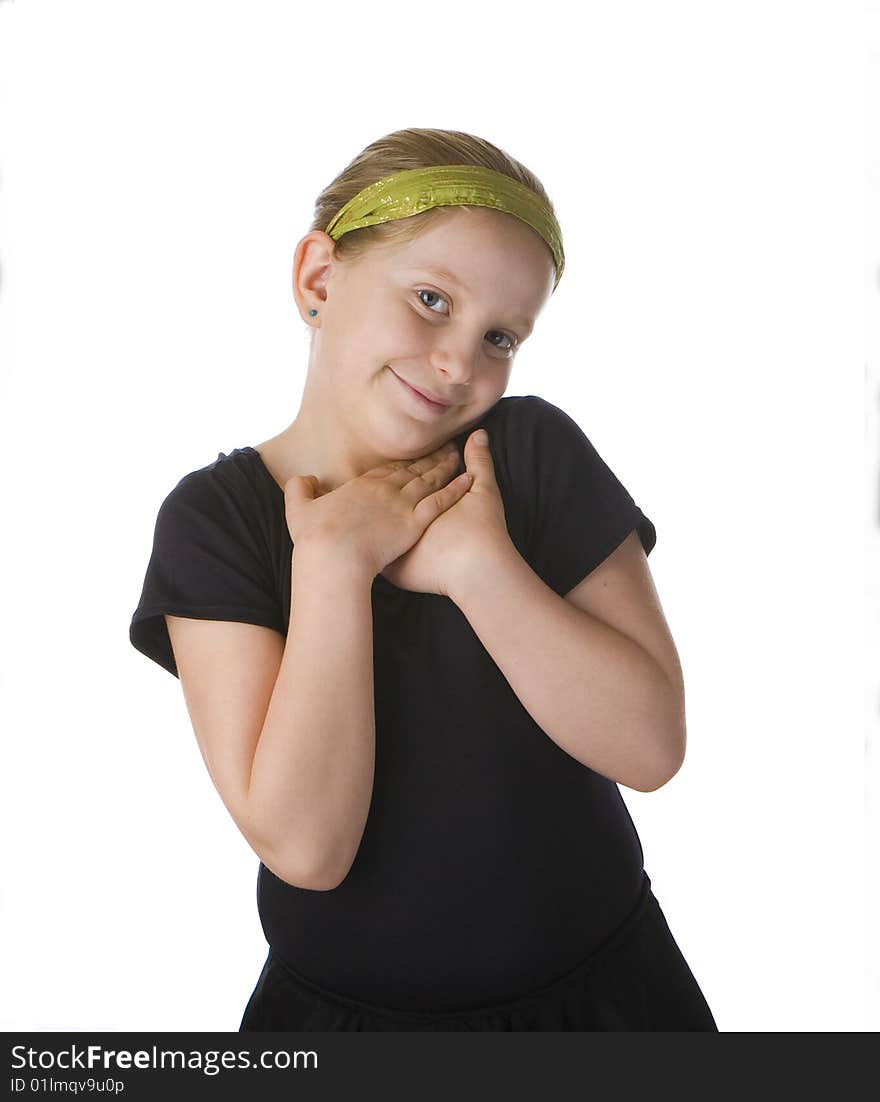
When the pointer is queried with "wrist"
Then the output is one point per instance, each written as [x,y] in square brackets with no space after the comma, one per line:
[331,561]
[470,576]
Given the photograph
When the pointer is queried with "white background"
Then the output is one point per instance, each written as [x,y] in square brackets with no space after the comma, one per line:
[159,164]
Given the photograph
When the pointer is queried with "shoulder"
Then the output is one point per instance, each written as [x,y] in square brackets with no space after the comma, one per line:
[227,480]
[213,555]
[531,419]
[227,501]
[515,409]
[529,435]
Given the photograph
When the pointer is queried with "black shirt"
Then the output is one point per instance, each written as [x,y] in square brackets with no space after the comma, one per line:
[492,861]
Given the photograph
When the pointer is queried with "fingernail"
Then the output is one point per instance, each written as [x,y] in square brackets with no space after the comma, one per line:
[481,436]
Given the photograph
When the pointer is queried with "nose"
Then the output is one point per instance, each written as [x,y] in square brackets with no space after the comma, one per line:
[454,360]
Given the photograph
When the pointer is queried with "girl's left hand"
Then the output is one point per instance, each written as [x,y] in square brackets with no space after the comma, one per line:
[464,538]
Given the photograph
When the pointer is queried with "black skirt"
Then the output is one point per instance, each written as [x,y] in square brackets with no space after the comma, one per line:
[637,979]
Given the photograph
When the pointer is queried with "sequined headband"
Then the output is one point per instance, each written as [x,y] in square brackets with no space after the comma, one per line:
[412,191]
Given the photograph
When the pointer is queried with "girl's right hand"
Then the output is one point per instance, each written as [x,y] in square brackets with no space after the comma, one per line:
[378,516]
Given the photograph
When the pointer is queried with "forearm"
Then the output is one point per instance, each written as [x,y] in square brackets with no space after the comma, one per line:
[599,695]
[312,776]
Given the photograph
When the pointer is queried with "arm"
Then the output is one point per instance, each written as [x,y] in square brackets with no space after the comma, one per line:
[286,729]
[595,691]
[311,781]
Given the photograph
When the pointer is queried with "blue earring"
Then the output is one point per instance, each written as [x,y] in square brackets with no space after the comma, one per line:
[313,312]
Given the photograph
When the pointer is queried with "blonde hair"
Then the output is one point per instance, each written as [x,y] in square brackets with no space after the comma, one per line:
[406,149]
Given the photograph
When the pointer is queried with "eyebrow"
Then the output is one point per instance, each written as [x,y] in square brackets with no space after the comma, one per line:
[443,274]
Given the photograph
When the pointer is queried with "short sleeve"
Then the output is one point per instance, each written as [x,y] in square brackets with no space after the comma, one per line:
[577,510]
[207,563]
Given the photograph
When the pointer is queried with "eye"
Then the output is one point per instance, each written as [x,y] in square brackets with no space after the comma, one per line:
[505,348]
[427,292]
[512,341]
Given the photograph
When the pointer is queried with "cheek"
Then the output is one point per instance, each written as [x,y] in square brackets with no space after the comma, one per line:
[405,326]
[390,332]
[497,378]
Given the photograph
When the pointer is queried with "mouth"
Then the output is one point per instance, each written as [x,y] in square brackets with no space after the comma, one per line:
[428,401]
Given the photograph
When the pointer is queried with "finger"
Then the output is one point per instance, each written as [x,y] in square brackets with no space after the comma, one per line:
[429,508]
[478,457]
[435,458]
[423,463]
[421,485]
[433,468]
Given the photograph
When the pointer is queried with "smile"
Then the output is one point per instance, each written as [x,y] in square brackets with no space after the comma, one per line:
[422,399]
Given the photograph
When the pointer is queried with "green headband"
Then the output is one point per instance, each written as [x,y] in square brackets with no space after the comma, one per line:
[411,191]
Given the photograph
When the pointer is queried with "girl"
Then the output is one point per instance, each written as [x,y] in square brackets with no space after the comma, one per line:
[419,660]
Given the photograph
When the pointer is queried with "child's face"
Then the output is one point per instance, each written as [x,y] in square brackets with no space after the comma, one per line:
[443,313]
